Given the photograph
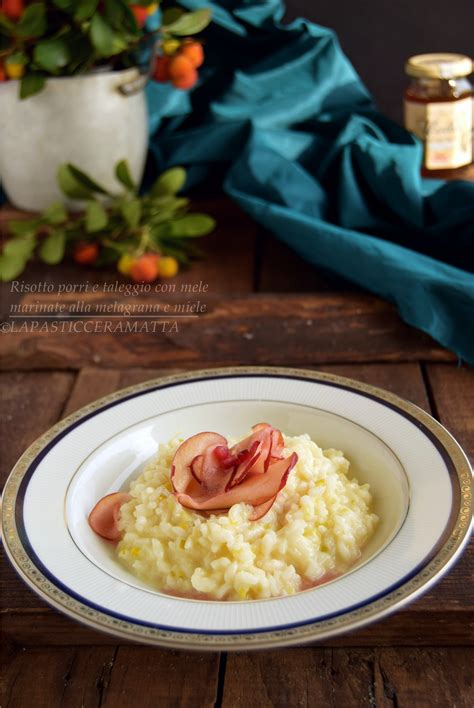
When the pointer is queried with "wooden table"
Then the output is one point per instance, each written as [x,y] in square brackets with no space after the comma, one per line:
[264,306]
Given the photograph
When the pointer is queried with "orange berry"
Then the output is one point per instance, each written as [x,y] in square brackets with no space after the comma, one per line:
[194,52]
[145,269]
[161,72]
[86,253]
[3,76]
[13,8]
[180,67]
[140,13]
[187,81]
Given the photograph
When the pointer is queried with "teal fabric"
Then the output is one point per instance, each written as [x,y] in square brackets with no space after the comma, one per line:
[281,120]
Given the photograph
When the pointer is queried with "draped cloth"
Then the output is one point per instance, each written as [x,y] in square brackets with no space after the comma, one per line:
[283,122]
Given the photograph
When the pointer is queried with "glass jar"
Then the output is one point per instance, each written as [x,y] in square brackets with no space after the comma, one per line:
[439,110]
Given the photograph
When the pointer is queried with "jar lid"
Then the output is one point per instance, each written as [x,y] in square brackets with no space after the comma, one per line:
[439,66]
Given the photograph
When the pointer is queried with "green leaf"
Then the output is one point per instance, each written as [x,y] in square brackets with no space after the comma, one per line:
[6,23]
[11,266]
[70,185]
[53,246]
[189,23]
[96,217]
[55,214]
[33,21]
[85,10]
[169,182]
[193,225]
[104,39]
[15,255]
[52,54]
[131,211]
[114,13]
[87,181]
[120,16]
[17,58]
[23,227]
[22,246]
[165,208]
[31,83]
[123,175]
[64,4]
[167,203]
[76,184]
[80,50]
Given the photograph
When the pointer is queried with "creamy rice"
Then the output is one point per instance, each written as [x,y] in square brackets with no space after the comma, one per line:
[315,530]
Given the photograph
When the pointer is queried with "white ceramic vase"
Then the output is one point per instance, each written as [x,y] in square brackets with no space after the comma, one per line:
[92,121]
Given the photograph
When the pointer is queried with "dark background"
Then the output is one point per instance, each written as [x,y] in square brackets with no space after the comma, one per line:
[379,35]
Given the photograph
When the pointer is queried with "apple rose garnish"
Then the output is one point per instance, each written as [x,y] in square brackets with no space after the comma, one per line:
[208,476]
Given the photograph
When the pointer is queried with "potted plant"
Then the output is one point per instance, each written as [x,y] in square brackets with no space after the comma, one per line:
[72,75]
[145,236]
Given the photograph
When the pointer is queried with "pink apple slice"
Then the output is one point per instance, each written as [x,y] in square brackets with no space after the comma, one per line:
[260,431]
[261,509]
[261,426]
[255,489]
[104,517]
[189,450]
[217,468]
[278,444]
[262,435]
[196,467]
[260,466]
[248,459]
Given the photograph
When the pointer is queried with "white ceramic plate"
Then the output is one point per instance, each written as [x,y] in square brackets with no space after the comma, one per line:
[419,477]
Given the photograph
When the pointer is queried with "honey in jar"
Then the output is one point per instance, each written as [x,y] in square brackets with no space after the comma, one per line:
[439,110]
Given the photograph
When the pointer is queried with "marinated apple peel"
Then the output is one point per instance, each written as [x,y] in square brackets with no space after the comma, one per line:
[209,477]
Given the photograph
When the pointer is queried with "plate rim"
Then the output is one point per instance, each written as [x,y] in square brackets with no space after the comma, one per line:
[407,591]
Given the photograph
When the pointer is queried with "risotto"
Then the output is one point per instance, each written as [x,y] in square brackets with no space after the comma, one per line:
[315,530]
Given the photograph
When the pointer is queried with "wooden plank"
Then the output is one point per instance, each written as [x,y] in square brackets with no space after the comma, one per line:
[255,329]
[68,677]
[452,392]
[102,676]
[425,678]
[404,380]
[31,403]
[452,389]
[350,677]
[148,678]
[298,677]
[92,383]
[284,271]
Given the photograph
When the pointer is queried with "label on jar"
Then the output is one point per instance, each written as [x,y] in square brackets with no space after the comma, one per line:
[445,128]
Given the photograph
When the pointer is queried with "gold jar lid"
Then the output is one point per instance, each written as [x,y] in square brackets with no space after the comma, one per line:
[439,66]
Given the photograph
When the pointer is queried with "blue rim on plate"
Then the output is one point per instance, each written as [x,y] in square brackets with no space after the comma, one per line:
[21,553]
